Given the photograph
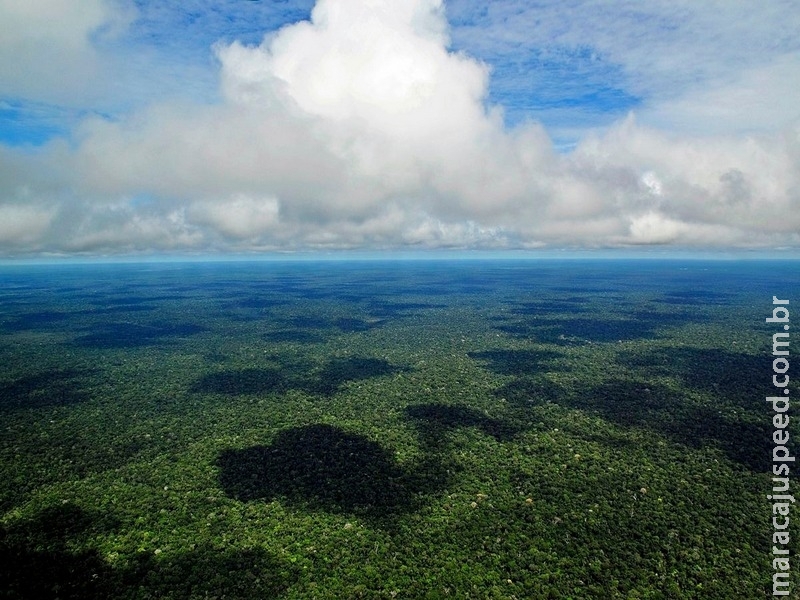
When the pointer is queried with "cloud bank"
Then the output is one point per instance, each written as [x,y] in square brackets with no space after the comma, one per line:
[362,128]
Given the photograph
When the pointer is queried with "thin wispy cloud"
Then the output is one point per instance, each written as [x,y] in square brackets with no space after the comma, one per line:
[247,126]
[655,57]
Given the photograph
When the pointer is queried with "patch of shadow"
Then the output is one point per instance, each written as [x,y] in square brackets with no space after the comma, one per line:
[208,572]
[695,297]
[36,320]
[435,421]
[58,387]
[601,330]
[514,362]
[84,455]
[356,297]
[388,309]
[443,290]
[529,391]
[519,329]
[307,322]
[119,308]
[71,453]
[133,335]
[241,382]
[295,375]
[544,333]
[631,403]
[339,371]
[255,302]
[353,325]
[307,293]
[744,438]
[215,357]
[297,336]
[39,562]
[581,330]
[13,302]
[323,467]
[131,300]
[551,307]
[734,377]
[580,289]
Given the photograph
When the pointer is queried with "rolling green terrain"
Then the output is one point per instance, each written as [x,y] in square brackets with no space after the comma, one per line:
[564,430]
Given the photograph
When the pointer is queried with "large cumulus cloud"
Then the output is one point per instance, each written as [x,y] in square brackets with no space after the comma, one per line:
[361,128]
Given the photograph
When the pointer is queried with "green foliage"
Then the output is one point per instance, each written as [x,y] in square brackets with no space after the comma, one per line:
[406,431]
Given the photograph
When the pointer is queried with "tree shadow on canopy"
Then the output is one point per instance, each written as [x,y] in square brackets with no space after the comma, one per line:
[435,421]
[39,561]
[325,468]
[291,374]
[111,336]
[677,416]
[55,387]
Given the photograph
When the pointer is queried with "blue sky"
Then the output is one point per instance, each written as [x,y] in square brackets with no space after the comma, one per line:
[564,86]
[254,126]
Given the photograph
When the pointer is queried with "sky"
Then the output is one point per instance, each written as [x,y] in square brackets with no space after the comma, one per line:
[144,127]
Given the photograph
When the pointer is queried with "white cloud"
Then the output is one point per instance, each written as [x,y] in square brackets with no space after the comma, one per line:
[24,224]
[760,98]
[240,217]
[654,228]
[360,128]
[696,68]
[700,190]
[47,47]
